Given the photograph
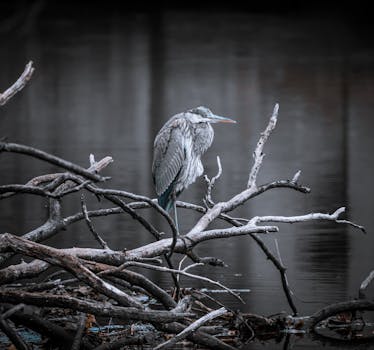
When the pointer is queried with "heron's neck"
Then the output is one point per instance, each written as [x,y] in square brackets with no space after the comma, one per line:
[203,138]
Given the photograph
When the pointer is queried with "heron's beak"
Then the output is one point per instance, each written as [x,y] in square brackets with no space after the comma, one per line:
[219,119]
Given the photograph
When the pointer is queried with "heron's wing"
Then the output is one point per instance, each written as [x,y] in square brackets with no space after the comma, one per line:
[169,154]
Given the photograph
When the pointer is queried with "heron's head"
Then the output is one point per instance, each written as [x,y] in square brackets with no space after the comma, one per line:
[204,114]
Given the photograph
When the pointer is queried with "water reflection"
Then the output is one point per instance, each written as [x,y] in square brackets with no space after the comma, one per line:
[106,85]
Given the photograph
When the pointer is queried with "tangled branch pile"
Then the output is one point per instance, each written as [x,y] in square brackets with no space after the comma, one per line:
[101,282]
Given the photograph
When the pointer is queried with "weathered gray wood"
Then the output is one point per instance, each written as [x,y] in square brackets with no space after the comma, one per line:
[94,307]
[191,328]
[18,85]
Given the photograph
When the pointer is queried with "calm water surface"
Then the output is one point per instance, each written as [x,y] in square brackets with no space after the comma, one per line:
[106,85]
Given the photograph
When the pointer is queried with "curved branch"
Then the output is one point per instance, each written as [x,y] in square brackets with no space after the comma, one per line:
[337,308]
[18,85]
[191,328]
[37,153]
[364,284]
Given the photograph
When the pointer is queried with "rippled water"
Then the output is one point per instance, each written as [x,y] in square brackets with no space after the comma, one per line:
[105,85]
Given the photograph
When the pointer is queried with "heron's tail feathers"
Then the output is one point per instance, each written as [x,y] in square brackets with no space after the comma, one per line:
[166,199]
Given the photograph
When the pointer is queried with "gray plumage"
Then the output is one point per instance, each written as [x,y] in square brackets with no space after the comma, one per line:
[178,148]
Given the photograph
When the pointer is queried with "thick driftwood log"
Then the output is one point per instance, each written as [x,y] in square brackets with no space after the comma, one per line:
[23,270]
[70,263]
[95,308]
[331,310]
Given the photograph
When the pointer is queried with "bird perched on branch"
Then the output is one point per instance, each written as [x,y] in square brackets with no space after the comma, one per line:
[177,149]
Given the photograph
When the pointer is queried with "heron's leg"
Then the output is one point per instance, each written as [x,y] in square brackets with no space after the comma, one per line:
[175,214]
[175,236]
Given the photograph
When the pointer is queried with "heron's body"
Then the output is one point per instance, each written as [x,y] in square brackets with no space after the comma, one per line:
[178,148]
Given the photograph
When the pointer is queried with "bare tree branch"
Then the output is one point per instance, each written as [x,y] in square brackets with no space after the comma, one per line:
[337,308]
[365,283]
[55,223]
[258,154]
[105,270]
[18,85]
[307,217]
[210,184]
[95,308]
[197,337]
[37,153]
[179,272]
[191,328]
[103,244]
[70,263]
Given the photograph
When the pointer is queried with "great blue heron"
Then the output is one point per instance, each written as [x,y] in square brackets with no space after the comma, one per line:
[177,150]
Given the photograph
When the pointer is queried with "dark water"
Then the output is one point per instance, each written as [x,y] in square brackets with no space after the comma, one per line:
[106,84]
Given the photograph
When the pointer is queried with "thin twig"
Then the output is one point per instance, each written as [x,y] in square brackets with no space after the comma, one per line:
[151,203]
[148,226]
[365,283]
[286,287]
[182,272]
[18,85]
[296,177]
[103,244]
[210,184]
[180,265]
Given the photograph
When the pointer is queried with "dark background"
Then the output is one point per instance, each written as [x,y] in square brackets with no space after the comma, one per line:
[108,76]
